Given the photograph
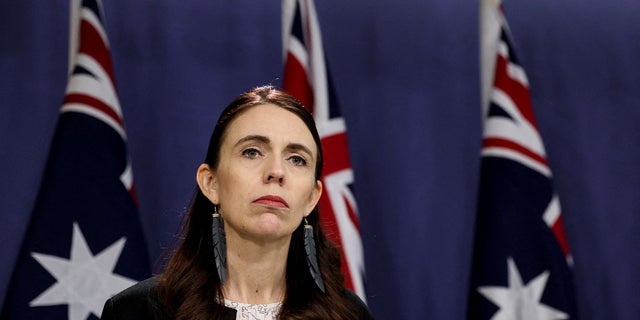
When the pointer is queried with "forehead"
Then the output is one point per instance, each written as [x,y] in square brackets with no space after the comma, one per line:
[273,122]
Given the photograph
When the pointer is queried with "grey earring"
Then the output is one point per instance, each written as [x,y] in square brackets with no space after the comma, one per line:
[219,244]
[312,260]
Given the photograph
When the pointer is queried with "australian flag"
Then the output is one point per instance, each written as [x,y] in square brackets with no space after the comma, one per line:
[84,241]
[521,263]
[306,76]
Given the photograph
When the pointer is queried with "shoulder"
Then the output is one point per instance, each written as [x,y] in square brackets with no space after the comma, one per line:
[142,288]
[363,311]
[139,301]
[143,291]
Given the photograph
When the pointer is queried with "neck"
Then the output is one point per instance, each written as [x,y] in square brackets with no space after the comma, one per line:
[256,273]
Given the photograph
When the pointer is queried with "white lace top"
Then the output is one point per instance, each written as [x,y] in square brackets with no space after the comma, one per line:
[246,311]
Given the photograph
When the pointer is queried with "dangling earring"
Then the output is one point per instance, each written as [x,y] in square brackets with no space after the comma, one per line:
[219,244]
[312,261]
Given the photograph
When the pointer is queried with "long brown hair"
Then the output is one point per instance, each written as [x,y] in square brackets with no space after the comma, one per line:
[190,287]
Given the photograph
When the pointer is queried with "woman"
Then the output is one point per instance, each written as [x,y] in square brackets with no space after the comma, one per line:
[252,245]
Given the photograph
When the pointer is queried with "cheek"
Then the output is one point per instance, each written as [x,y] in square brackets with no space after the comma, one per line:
[228,183]
[238,183]
[310,199]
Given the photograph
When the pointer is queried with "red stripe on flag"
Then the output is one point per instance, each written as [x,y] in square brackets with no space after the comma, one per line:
[330,227]
[508,144]
[134,196]
[92,44]
[336,146]
[518,92]
[95,104]
[295,81]
[558,230]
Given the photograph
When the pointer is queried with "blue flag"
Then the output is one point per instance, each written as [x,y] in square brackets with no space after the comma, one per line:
[521,263]
[84,241]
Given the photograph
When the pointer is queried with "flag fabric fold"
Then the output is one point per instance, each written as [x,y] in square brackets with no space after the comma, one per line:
[521,262]
[84,241]
[306,76]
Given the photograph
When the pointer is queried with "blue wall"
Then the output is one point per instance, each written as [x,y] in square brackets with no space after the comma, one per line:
[407,77]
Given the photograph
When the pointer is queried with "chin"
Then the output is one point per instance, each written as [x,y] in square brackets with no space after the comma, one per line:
[271,226]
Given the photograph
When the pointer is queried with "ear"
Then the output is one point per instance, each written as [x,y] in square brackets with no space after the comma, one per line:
[208,183]
[314,197]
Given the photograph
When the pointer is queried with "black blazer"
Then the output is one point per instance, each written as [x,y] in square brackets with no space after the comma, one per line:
[141,302]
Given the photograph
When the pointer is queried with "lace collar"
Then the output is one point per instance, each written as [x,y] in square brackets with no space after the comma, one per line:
[250,311]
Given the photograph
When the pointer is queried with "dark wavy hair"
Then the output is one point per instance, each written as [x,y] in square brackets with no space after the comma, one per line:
[190,287]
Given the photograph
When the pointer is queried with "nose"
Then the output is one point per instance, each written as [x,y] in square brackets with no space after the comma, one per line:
[274,172]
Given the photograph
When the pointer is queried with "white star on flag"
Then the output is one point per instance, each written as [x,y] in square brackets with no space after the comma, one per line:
[85,281]
[520,301]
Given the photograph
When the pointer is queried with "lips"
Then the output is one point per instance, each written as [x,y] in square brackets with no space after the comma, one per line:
[271,201]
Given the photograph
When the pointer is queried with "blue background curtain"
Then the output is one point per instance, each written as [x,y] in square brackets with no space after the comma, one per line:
[408,81]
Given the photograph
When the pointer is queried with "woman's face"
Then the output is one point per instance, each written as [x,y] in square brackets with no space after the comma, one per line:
[264,182]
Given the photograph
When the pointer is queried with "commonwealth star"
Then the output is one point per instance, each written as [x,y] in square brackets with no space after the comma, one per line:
[519,301]
[84,282]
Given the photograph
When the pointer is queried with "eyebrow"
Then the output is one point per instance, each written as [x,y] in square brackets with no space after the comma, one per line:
[253,137]
[266,140]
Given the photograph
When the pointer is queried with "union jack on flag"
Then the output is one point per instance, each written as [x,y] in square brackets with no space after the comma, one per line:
[306,76]
[84,240]
[521,264]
